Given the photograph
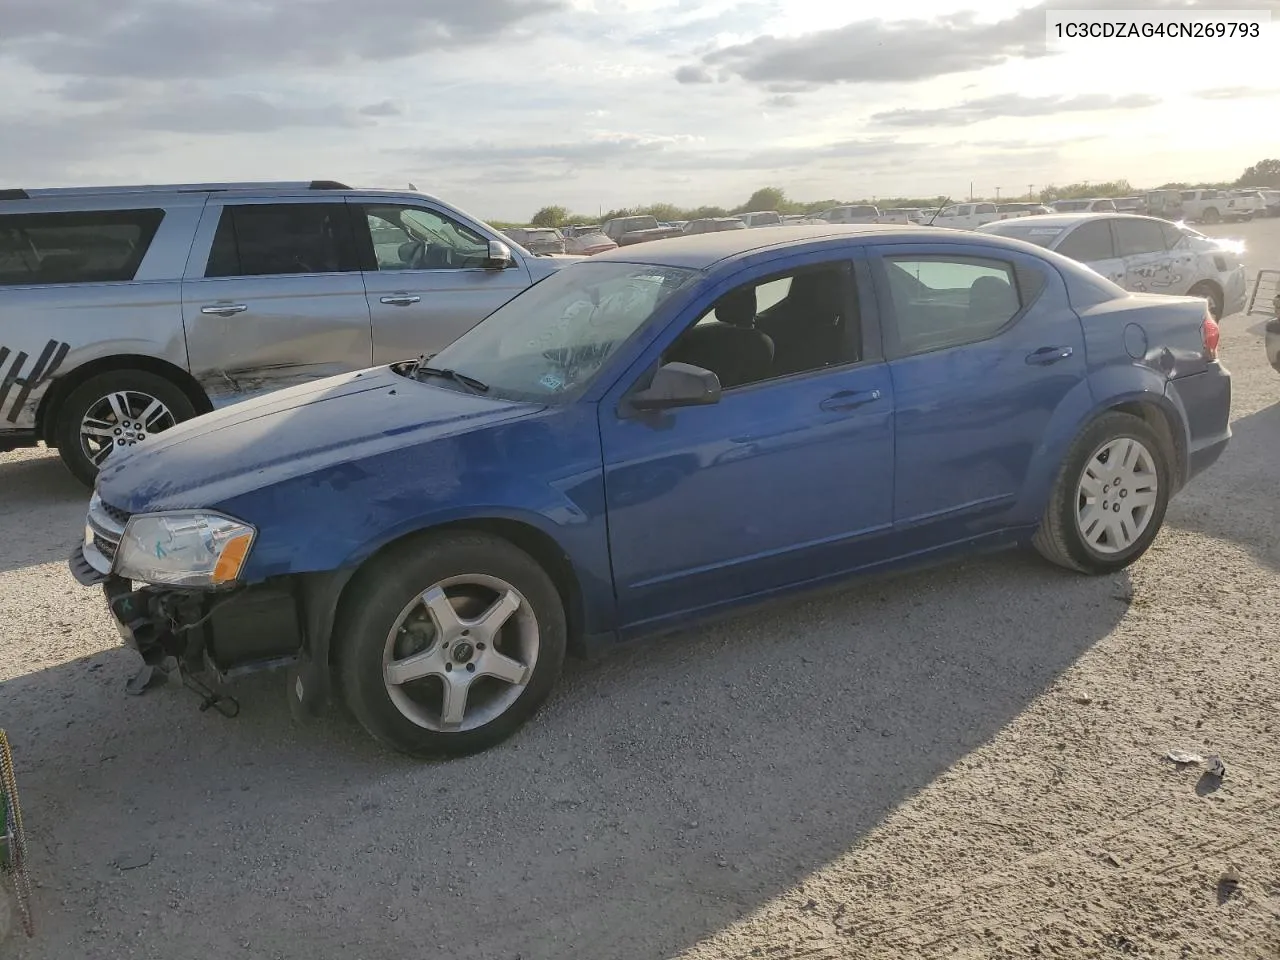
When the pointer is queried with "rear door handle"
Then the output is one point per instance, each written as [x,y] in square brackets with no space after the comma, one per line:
[1047,355]
[224,309]
[400,300]
[849,399]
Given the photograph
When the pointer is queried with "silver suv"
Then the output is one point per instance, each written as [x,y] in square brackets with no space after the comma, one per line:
[124,310]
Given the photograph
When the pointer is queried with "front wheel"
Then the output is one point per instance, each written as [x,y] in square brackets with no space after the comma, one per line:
[450,643]
[112,411]
[1109,499]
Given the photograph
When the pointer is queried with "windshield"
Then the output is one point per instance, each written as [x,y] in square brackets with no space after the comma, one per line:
[1040,235]
[548,343]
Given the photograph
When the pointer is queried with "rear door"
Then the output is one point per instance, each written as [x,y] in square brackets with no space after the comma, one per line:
[1148,263]
[982,348]
[273,296]
[425,276]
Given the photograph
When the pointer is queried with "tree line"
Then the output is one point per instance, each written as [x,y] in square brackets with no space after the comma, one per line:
[1264,173]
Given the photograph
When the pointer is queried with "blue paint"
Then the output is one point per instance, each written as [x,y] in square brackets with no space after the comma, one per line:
[670,514]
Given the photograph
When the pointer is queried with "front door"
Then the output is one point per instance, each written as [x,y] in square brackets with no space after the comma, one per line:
[425,276]
[983,348]
[788,478]
[273,297]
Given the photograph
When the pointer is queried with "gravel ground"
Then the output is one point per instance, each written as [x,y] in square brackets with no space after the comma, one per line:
[964,762]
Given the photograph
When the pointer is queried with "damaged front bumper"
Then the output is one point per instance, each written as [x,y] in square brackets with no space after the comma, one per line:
[224,632]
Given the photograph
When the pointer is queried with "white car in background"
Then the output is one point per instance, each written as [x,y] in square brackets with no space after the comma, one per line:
[1085,205]
[966,216]
[1141,254]
[1214,206]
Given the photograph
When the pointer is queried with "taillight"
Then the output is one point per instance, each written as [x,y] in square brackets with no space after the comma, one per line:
[1212,334]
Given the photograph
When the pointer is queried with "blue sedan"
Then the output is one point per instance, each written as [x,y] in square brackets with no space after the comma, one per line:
[651,436]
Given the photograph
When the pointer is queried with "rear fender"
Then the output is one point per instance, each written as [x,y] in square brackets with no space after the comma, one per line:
[1089,399]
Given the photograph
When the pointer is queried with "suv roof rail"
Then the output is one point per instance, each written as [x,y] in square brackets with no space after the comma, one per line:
[20,194]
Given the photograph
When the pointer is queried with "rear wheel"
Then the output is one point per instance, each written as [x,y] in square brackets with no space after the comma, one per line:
[1211,293]
[1212,216]
[1109,499]
[450,644]
[114,410]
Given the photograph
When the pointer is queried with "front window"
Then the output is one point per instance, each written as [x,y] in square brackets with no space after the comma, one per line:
[418,238]
[548,344]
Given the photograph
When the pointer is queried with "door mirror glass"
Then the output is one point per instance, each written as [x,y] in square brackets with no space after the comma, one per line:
[678,385]
[499,256]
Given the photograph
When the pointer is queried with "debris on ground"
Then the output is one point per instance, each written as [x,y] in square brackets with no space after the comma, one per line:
[1182,757]
[1215,767]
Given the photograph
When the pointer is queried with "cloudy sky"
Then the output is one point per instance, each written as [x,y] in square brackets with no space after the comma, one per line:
[502,106]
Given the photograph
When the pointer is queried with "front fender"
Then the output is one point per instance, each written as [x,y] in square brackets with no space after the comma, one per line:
[1103,390]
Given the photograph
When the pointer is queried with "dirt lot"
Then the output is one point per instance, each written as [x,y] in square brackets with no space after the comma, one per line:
[962,763]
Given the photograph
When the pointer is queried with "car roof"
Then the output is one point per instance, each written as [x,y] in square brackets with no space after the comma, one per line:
[702,250]
[1065,220]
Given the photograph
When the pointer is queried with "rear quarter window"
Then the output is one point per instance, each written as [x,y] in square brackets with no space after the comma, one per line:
[98,246]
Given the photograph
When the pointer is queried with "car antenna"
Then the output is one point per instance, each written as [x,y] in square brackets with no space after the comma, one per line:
[413,188]
[938,211]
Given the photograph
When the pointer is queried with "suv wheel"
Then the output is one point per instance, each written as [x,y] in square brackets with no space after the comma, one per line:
[450,643]
[1109,499]
[114,410]
[1211,215]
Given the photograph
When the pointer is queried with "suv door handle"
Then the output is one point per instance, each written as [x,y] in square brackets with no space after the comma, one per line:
[849,399]
[400,300]
[224,309]
[1047,355]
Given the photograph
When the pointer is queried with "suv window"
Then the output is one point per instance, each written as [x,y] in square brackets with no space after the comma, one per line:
[943,302]
[418,238]
[97,246]
[265,239]
[985,208]
[1138,236]
[1088,242]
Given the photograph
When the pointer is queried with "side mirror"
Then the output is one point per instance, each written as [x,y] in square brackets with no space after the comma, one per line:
[500,256]
[678,385]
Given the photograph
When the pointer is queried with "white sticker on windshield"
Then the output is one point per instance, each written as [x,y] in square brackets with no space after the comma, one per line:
[551,381]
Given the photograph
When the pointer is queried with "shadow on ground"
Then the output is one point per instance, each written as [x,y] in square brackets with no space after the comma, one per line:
[1222,503]
[41,510]
[664,793]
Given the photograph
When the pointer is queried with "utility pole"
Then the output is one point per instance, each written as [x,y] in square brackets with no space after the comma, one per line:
[1030,194]
[997,194]
[970,189]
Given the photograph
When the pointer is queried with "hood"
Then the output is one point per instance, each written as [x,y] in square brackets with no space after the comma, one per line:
[543,266]
[288,433]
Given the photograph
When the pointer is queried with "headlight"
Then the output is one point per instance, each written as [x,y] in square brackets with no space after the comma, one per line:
[184,549]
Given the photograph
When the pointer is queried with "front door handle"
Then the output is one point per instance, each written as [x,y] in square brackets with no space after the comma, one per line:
[400,300]
[849,399]
[224,309]
[1047,355]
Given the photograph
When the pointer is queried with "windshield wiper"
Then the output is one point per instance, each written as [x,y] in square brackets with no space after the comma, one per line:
[477,385]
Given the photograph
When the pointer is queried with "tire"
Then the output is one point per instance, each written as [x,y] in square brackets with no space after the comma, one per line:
[1211,216]
[1211,293]
[1061,537]
[387,621]
[97,405]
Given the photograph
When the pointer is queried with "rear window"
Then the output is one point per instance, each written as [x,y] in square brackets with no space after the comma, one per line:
[266,239]
[98,246]
[1041,236]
